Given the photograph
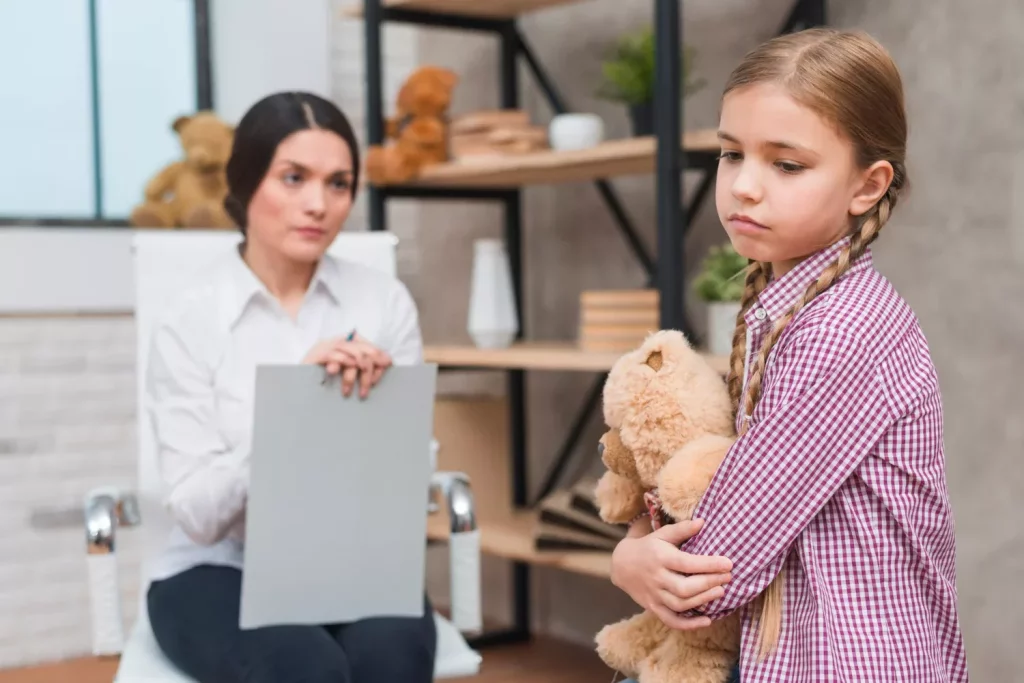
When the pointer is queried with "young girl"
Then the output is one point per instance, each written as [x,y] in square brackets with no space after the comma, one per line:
[837,481]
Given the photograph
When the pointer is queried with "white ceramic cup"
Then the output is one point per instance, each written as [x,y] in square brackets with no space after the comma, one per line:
[575,131]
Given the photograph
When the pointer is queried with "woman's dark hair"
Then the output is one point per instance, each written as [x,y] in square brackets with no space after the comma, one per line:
[262,129]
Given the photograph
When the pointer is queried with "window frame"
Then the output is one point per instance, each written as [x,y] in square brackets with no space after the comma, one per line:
[204,100]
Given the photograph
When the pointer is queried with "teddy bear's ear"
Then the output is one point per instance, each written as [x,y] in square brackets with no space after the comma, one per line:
[449,79]
[654,360]
[180,122]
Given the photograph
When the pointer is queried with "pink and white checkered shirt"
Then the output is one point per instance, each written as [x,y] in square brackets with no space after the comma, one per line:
[841,481]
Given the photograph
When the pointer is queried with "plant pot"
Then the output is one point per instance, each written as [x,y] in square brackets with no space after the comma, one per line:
[493,321]
[721,325]
[641,117]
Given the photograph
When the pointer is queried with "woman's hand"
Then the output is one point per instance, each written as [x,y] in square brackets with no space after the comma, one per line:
[354,358]
[662,578]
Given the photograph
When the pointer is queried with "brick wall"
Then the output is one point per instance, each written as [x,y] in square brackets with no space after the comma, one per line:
[67,423]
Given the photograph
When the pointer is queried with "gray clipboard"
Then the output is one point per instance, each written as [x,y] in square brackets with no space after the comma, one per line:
[337,512]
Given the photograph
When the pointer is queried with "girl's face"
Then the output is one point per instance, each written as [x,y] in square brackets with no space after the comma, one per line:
[788,181]
[304,198]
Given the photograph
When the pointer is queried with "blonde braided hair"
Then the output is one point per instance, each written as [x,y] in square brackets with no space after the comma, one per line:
[756,280]
[850,80]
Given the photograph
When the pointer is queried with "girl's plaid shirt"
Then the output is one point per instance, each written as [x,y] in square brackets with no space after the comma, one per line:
[841,481]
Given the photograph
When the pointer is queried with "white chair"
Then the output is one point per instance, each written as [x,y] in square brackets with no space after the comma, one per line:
[164,261]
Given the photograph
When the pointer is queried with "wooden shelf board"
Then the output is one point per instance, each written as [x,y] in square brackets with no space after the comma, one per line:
[489,9]
[631,156]
[536,356]
[512,537]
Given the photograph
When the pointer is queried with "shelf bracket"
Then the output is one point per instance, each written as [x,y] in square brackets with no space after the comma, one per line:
[604,188]
[446,193]
[565,453]
[441,20]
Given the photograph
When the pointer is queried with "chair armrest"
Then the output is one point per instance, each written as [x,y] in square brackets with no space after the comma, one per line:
[455,488]
[105,510]
[464,549]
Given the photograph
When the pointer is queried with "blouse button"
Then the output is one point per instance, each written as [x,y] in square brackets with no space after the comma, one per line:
[760,314]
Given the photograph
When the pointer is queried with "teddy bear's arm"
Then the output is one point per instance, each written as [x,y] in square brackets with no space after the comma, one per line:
[688,473]
[164,181]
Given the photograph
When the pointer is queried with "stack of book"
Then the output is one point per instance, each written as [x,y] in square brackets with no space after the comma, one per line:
[617,320]
[569,520]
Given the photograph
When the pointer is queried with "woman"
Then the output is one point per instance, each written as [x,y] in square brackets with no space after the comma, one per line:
[292,179]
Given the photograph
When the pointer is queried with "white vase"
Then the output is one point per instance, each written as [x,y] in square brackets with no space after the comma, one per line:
[493,323]
[575,131]
[721,325]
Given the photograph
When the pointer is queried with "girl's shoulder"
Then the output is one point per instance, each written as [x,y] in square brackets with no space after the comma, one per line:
[864,307]
[864,316]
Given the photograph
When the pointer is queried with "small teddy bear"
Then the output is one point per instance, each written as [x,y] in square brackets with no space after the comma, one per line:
[670,426]
[417,136]
[190,193]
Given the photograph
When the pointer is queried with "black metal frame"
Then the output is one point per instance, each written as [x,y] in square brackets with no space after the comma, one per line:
[673,218]
[204,100]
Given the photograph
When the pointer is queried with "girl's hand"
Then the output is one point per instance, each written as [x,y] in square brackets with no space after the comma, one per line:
[665,580]
[355,359]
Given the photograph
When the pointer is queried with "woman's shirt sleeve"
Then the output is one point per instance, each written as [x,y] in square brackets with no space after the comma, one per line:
[206,481]
[828,411]
[404,339]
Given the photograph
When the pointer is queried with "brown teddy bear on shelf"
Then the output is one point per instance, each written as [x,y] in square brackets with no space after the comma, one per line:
[670,426]
[417,136]
[190,193]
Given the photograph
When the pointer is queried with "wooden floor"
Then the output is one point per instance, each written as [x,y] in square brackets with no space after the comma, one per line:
[541,661]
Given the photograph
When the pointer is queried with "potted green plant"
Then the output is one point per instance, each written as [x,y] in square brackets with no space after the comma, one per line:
[720,283]
[628,77]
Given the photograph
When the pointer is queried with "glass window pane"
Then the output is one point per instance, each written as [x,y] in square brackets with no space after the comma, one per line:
[46,110]
[147,78]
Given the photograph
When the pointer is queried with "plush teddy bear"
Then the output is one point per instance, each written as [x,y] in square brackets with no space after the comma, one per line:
[190,193]
[670,426]
[417,135]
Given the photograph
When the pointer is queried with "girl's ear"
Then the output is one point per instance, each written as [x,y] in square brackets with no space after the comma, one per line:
[874,182]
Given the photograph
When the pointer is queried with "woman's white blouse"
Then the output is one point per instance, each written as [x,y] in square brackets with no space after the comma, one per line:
[201,378]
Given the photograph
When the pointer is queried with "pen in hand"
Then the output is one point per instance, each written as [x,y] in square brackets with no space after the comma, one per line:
[327,375]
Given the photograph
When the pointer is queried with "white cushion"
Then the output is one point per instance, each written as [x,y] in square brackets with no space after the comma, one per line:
[143,662]
[454,656]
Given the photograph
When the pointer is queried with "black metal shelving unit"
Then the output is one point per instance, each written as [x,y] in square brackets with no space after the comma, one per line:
[664,269]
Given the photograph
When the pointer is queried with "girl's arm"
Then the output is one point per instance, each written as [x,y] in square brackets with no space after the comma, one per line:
[827,411]
[207,482]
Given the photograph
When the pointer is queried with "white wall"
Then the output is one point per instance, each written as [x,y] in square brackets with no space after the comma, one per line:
[263,46]
[65,270]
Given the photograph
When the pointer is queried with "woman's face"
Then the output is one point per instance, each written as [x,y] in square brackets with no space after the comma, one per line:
[305,196]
